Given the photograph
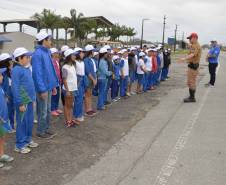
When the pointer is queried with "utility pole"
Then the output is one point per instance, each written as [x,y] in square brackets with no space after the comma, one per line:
[175,38]
[163,35]
[142,32]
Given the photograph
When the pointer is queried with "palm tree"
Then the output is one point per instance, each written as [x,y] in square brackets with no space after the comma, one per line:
[47,19]
[76,20]
[66,24]
[130,32]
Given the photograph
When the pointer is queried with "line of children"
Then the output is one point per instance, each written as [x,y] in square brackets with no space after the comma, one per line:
[74,73]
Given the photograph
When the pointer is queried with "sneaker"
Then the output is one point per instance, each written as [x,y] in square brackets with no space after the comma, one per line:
[5,158]
[59,111]
[128,94]
[24,150]
[101,109]
[114,100]
[133,93]
[107,103]
[1,165]
[12,131]
[81,119]
[44,136]
[54,113]
[50,132]
[118,98]
[32,144]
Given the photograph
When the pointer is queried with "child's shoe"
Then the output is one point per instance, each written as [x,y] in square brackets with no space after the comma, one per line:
[5,158]
[24,150]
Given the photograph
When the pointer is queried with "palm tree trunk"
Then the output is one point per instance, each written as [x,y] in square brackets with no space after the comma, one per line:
[65,41]
[57,37]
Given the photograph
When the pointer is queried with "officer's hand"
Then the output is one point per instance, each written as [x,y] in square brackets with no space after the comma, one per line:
[22,108]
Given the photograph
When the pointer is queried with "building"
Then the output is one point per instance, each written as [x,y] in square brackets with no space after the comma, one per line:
[9,41]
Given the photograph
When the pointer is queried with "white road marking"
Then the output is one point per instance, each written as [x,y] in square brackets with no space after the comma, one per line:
[169,165]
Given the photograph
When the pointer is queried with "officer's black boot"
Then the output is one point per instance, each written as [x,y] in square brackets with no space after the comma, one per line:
[191,98]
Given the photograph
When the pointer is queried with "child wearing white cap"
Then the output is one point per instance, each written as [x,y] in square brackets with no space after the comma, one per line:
[116,78]
[70,86]
[140,72]
[124,72]
[3,118]
[90,71]
[78,112]
[6,62]
[23,90]
[55,111]
[46,81]
[103,74]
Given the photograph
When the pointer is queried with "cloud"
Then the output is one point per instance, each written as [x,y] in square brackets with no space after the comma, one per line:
[205,17]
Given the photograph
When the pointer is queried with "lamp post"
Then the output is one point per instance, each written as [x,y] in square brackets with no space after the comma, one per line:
[142,32]
[163,35]
[175,38]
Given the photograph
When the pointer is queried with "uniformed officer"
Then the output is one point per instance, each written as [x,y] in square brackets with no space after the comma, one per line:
[212,59]
[193,59]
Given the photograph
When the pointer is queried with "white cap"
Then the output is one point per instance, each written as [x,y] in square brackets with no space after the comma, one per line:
[5,56]
[115,57]
[95,53]
[78,50]
[133,49]
[21,51]
[107,47]
[158,48]
[103,50]
[122,51]
[54,50]
[42,35]
[89,48]
[141,54]
[64,48]
[69,52]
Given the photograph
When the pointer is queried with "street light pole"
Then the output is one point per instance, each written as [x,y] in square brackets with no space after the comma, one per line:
[175,38]
[163,35]
[142,32]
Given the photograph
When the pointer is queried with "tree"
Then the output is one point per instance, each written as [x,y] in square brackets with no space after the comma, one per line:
[76,20]
[66,24]
[48,19]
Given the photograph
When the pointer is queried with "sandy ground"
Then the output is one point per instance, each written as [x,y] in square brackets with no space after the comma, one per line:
[73,149]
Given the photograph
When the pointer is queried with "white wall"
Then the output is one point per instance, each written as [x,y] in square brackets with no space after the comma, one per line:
[19,39]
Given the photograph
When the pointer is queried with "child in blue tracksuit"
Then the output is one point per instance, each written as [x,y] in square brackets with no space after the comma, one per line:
[3,118]
[102,75]
[23,90]
[6,62]
[158,74]
[116,79]
[124,72]
[81,82]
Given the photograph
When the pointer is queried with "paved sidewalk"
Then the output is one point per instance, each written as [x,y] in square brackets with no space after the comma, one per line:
[175,144]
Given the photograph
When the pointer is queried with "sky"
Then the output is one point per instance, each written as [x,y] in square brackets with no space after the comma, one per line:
[206,17]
